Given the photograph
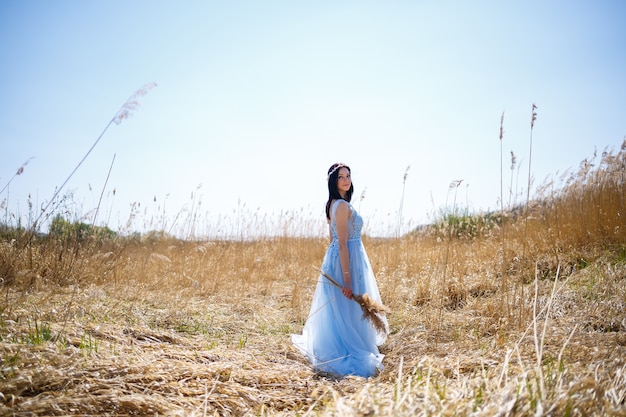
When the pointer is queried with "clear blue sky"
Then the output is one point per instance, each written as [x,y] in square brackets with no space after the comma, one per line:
[256,99]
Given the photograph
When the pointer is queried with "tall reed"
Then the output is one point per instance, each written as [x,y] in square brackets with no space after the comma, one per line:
[131,104]
[5,202]
[511,192]
[399,226]
[106,181]
[533,118]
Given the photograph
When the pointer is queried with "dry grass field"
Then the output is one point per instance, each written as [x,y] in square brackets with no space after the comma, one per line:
[519,313]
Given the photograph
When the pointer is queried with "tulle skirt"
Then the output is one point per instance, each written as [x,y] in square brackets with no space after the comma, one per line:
[336,339]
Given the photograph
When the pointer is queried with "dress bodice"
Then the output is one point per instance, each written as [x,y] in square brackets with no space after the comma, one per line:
[355,221]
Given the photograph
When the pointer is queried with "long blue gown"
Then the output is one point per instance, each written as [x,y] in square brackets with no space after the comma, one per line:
[336,339]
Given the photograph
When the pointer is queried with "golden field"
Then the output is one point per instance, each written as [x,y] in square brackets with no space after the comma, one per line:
[516,313]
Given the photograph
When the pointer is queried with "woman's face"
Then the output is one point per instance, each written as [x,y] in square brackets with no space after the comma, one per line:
[344,182]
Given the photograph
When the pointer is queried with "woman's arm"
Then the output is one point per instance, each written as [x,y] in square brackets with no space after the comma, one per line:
[341,218]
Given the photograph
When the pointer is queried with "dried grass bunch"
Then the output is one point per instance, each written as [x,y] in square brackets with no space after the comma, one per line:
[372,309]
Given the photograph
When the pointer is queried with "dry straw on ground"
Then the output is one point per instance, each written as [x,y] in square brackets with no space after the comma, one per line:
[182,353]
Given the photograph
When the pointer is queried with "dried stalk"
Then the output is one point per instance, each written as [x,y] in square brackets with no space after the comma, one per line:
[372,309]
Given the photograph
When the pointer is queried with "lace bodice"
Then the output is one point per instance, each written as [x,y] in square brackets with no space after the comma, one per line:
[355,221]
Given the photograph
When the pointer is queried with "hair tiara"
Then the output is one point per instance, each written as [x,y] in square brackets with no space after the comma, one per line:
[339,165]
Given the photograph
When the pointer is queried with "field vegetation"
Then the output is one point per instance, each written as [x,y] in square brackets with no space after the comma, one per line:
[518,312]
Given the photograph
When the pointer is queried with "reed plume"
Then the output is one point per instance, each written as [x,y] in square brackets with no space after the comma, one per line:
[372,309]
[19,171]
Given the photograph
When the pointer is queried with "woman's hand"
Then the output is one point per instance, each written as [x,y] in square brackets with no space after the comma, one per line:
[347,292]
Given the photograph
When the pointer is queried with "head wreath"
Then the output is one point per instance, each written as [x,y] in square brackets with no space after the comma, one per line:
[339,165]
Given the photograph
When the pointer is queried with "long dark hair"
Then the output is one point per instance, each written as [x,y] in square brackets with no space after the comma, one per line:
[333,190]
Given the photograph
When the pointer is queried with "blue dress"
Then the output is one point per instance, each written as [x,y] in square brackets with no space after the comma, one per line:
[336,339]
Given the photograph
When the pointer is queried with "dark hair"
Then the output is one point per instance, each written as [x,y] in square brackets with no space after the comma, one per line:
[333,190]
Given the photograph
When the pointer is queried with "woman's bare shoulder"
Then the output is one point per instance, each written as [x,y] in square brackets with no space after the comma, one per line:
[343,207]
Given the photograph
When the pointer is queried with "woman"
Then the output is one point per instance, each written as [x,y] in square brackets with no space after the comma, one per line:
[336,339]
